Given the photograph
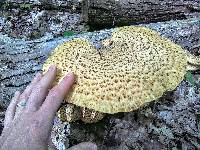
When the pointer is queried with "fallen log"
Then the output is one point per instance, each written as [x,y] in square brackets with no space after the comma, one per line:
[124,12]
[105,13]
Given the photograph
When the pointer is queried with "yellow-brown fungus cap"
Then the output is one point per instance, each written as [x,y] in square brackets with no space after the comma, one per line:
[135,66]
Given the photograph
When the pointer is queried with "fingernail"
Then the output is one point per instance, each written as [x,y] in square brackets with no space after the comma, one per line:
[69,75]
[37,76]
[52,67]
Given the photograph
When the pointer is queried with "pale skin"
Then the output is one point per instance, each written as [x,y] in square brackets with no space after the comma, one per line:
[30,128]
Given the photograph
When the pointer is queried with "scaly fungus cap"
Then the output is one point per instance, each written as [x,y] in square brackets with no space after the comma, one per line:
[136,66]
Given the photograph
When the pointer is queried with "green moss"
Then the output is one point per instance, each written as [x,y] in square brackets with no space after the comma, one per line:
[68,33]
[5,5]
[189,79]
[25,6]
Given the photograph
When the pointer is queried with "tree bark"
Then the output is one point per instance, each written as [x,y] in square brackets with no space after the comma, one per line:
[105,13]
[125,12]
[20,60]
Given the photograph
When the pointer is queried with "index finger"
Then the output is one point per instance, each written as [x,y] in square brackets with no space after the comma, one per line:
[56,96]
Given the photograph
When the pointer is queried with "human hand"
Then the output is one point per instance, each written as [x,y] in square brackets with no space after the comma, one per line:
[31,125]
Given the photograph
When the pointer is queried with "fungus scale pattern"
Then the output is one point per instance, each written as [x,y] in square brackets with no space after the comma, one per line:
[136,66]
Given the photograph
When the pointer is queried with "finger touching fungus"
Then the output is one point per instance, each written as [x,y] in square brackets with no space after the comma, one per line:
[136,66]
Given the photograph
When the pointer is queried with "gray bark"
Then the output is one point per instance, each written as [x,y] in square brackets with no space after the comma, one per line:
[20,59]
[44,3]
[120,12]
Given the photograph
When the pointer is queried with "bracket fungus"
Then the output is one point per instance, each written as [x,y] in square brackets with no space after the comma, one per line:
[135,66]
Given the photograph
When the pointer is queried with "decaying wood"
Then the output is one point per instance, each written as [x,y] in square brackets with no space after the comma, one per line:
[121,12]
[20,60]
[117,12]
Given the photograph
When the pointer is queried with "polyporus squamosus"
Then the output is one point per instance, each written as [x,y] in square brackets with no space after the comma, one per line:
[135,66]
